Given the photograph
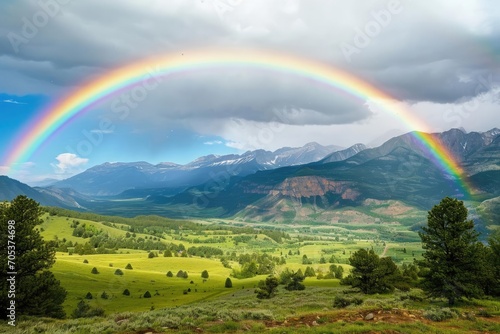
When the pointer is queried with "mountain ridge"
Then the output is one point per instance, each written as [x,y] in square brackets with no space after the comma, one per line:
[111,179]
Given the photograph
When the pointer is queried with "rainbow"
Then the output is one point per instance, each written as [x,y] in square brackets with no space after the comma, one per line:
[77,102]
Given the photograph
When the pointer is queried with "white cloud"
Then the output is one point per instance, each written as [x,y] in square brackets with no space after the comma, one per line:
[105,132]
[12,101]
[214,142]
[68,163]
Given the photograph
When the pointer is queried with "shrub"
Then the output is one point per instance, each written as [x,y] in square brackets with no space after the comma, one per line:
[94,271]
[126,292]
[104,295]
[483,313]
[440,314]
[170,274]
[341,301]
[129,266]
[85,261]
[147,294]
[83,310]
[228,283]
[118,272]
[88,295]
[151,255]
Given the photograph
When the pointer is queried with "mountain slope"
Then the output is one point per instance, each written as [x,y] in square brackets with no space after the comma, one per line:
[330,185]
[10,189]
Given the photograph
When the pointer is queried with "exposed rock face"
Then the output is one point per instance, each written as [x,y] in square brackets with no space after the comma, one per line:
[304,187]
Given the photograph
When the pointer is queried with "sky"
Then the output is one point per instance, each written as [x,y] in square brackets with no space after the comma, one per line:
[438,60]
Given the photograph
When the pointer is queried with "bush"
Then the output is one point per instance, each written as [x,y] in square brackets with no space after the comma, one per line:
[441,314]
[118,272]
[228,283]
[94,271]
[341,301]
[147,294]
[126,292]
[88,295]
[83,310]
[129,266]
[104,295]
[170,274]
[151,255]
[182,274]
[85,261]
[483,313]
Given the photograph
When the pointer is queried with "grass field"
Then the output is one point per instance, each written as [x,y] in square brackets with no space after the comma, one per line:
[295,312]
[149,274]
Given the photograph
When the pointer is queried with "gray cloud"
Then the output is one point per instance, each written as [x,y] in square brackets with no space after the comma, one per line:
[435,52]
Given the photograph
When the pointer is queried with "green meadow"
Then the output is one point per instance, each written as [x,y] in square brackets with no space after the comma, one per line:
[150,274]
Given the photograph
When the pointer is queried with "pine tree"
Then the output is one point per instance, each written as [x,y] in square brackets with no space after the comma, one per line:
[38,292]
[451,252]
[372,274]
[267,289]
[204,274]
[228,283]
[295,282]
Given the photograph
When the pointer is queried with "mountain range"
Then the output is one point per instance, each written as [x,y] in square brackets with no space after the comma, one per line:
[285,183]
[114,178]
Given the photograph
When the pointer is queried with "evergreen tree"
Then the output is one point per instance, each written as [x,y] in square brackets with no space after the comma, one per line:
[126,292]
[170,274]
[147,294]
[267,289]
[451,252]
[38,292]
[118,272]
[295,282]
[167,253]
[309,272]
[94,271]
[228,283]
[372,274]
[129,267]
[204,274]
[493,263]
[88,295]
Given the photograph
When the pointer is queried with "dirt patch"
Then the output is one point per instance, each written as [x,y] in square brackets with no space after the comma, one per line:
[395,316]
[394,209]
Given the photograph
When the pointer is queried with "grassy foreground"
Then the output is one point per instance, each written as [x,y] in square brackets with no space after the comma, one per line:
[308,311]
